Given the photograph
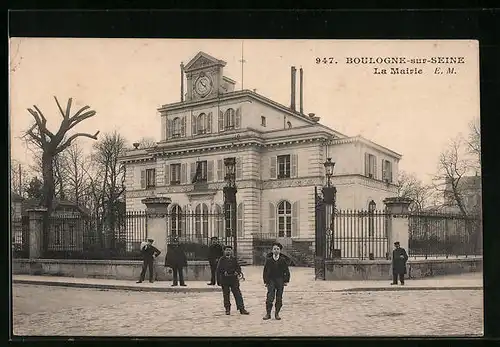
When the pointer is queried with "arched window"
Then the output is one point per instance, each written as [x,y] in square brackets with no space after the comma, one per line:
[229,119]
[176,221]
[284,219]
[201,220]
[176,127]
[218,222]
[289,124]
[202,123]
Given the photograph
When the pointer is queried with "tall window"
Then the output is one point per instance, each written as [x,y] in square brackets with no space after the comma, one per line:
[150,178]
[176,221]
[202,123]
[201,170]
[387,171]
[370,165]
[175,173]
[229,119]
[284,219]
[201,221]
[284,166]
[176,127]
[219,222]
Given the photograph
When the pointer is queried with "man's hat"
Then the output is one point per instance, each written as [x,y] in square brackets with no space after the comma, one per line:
[214,238]
[278,244]
[151,240]
[396,243]
[226,247]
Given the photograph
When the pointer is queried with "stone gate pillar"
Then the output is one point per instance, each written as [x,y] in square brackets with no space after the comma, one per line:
[156,213]
[397,222]
[36,235]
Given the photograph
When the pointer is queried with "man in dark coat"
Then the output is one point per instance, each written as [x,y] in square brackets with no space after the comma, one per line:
[399,258]
[228,273]
[176,259]
[149,252]
[276,276]
[215,251]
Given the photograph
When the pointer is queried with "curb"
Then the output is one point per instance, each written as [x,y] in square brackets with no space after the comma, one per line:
[119,287]
[395,289]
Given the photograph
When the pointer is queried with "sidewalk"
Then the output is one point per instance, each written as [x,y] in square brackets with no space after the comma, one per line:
[302,280]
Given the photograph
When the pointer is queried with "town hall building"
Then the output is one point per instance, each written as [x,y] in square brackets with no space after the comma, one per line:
[279,153]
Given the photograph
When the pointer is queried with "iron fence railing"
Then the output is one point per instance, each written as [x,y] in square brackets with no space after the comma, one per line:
[20,237]
[444,235]
[356,235]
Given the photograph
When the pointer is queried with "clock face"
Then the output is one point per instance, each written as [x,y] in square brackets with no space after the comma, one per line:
[203,86]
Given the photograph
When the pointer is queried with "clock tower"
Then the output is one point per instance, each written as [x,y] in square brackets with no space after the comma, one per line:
[204,75]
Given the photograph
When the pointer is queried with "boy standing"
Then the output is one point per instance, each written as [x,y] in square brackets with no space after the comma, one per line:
[228,272]
[276,276]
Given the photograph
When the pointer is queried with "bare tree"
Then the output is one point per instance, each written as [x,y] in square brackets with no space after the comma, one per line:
[453,165]
[19,177]
[73,162]
[409,186]
[147,142]
[474,142]
[52,144]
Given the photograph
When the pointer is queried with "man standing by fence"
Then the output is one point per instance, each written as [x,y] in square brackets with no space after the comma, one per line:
[214,253]
[176,259]
[276,276]
[149,252]
[399,258]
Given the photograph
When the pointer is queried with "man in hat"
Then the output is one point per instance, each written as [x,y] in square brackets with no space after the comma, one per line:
[215,251]
[176,259]
[149,252]
[276,276]
[399,258]
[227,273]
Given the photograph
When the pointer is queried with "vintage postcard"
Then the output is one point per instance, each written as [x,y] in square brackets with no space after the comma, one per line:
[175,187]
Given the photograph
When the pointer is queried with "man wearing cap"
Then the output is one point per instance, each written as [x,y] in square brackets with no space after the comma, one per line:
[227,273]
[149,252]
[276,276]
[215,251]
[176,259]
[399,258]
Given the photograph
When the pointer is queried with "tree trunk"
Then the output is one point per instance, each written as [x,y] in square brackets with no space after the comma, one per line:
[48,182]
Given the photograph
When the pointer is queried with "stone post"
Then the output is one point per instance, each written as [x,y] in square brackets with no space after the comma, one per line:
[397,222]
[36,216]
[156,213]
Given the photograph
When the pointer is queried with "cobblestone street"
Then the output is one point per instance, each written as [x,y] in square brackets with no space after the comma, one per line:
[42,310]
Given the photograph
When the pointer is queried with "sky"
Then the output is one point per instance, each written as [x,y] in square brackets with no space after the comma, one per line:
[126,80]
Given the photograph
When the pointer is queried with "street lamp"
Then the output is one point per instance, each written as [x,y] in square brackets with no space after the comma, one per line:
[230,200]
[329,197]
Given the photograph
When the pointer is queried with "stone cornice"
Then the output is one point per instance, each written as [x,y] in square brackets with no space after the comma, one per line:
[369,143]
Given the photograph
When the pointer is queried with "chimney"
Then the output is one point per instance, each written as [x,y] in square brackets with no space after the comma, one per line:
[182,82]
[301,91]
[292,101]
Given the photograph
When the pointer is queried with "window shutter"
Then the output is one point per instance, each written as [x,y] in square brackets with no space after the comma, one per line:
[193,171]
[272,219]
[389,171]
[193,125]
[295,218]
[184,173]
[294,164]
[240,214]
[210,170]
[169,128]
[221,121]
[367,164]
[183,127]
[239,168]
[220,172]
[209,122]
[384,172]
[237,121]
[143,179]
[375,167]
[167,174]
[272,167]
[163,128]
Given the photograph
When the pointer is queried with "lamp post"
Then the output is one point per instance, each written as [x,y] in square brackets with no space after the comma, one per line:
[329,196]
[230,201]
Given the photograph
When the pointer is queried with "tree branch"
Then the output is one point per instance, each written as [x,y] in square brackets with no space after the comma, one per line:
[60,108]
[71,138]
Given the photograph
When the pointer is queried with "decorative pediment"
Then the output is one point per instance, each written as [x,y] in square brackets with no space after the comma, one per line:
[203,60]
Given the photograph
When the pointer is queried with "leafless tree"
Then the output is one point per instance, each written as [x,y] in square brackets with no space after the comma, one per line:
[474,142]
[52,144]
[409,186]
[19,177]
[147,142]
[73,162]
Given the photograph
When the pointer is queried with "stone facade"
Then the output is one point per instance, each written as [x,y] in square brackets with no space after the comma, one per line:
[279,159]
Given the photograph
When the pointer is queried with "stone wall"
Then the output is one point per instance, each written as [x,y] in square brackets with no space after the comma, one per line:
[108,269]
[382,269]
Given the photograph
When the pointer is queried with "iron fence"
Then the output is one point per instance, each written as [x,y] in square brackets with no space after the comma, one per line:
[444,235]
[75,237]
[20,237]
[356,235]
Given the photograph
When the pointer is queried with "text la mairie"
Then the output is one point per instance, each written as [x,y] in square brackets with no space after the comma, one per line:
[279,154]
